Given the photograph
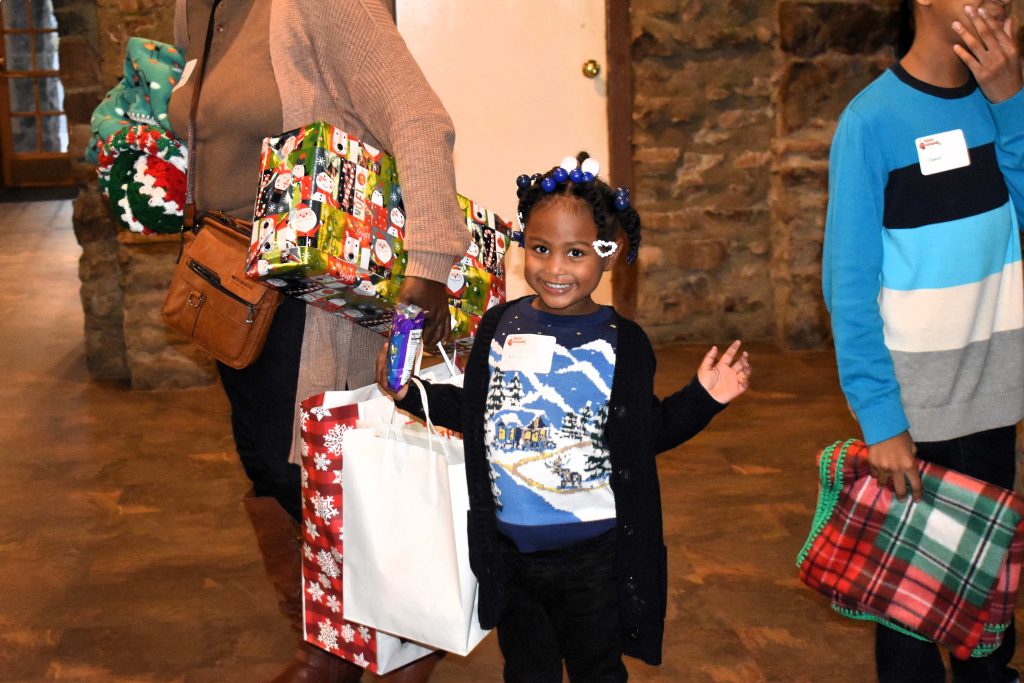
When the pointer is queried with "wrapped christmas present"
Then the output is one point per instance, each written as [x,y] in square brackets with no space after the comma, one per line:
[329,224]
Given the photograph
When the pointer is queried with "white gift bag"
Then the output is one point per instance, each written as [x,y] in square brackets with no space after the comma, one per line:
[326,623]
[406,569]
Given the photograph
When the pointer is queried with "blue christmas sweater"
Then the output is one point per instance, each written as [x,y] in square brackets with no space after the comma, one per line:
[922,264]
[546,409]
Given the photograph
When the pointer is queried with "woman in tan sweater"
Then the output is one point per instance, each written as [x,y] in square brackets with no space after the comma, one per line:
[276,65]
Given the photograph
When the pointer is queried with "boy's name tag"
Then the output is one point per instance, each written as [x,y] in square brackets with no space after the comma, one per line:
[942,152]
[527,353]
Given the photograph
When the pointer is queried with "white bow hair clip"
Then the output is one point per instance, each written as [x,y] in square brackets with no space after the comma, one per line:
[605,248]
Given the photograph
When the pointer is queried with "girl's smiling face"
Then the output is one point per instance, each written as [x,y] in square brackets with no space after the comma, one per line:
[561,263]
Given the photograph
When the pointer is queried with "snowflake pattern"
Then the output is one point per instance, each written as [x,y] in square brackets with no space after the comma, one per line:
[320,412]
[336,554]
[321,462]
[348,634]
[304,417]
[333,438]
[305,449]
[364,633]
[339,477]
[328,635]
[315,591]
[360,660]
[324,506]
[307,552]
[311,530]
[335,606]
[328,564]
[325,581]
[305,478]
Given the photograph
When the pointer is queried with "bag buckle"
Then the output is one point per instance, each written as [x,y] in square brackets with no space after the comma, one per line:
[198,303]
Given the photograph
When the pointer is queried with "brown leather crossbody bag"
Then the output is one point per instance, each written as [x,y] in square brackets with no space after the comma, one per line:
[210,300]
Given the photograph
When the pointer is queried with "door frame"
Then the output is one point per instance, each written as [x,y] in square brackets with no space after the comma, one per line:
[618,36]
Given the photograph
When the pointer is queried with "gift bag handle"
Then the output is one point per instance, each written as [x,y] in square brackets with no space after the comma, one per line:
[431,431]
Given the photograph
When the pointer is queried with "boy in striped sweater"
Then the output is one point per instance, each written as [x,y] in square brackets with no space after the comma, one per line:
[922,270]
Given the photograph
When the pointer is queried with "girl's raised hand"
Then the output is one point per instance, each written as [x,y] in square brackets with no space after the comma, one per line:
[728,377]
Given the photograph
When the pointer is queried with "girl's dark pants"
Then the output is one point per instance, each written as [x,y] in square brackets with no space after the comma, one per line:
[262,398]
[563,604]
[989,456]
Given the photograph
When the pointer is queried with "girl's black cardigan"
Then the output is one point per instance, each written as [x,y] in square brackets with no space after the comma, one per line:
[639,427]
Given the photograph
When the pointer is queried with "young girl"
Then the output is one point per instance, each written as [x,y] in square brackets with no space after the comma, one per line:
[560,427]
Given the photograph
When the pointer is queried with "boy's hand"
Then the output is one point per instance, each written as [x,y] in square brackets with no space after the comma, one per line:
[991,53]
[894,459]
[725,380]
[382,375]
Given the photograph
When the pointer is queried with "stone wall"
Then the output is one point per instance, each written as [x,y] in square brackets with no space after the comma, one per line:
[735,106]
[80,68]
[123,276]
[703,122]
[827,51]
[735,103]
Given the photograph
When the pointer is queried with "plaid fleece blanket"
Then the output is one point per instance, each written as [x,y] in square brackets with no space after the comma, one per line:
[945,568]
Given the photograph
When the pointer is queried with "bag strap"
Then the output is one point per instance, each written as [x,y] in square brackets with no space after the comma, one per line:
[431,431]
[190,178]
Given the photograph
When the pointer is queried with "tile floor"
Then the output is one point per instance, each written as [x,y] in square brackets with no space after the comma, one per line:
[125,554]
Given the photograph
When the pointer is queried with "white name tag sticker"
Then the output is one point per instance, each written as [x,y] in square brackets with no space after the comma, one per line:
[185,73]
[527,353]
[942,152]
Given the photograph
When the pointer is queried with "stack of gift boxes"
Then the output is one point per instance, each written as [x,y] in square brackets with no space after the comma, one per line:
[328,228]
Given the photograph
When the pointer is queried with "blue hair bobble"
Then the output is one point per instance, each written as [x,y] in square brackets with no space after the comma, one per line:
[548,184]
[560,175]
[523,181]
[622,199]
[576,175]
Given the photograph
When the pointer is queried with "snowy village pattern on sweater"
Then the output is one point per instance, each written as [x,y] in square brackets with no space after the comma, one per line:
[544,433]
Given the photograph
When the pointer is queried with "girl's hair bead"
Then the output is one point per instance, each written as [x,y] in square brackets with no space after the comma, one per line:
[548,184]
[576,175]
[621,202]
[561,175]
[523,181]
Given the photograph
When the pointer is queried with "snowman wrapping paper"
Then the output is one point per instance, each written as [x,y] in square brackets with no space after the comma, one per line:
[328,228]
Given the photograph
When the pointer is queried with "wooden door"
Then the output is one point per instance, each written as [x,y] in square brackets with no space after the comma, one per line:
[33,127]
[510,73]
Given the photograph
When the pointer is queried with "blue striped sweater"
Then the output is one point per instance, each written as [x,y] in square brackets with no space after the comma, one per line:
[922,273]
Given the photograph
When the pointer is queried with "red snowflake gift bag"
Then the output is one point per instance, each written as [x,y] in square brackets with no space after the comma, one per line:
[325,419]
